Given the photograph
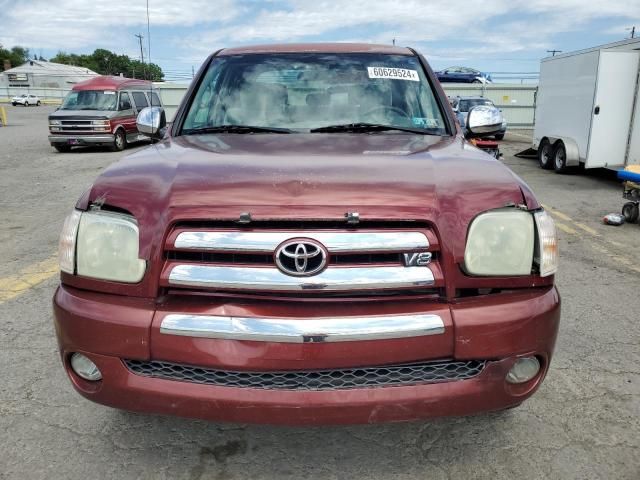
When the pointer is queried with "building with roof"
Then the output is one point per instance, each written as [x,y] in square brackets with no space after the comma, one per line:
[41,74]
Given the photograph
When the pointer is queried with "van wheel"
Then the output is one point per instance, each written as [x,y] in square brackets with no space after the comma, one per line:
[630,212]
[26,104]
[544,154]
[62,148]
[119,141]
[560,157]
[38,104]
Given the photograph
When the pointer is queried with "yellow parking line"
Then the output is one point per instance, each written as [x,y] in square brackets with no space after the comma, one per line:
[586,229]
[567,218]
[566,228]
[620,259]
[28,277]
[558,214]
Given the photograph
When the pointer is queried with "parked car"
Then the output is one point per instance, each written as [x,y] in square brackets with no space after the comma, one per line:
[311,241]
[462,75]
[462,105]
[101,111]
[25,100]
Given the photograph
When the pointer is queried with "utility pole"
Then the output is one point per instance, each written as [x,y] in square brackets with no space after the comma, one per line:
[394,41]
[553,52]
[140,37]
[633,31]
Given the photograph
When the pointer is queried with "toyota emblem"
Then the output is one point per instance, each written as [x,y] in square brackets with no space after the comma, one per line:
[301,257]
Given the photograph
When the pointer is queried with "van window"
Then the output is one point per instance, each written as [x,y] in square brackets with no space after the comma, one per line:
[140,99]
[125,103]
[90,100]
[155,100]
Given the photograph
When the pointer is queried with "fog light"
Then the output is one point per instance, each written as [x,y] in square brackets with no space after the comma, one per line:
[523,370]
[85,368]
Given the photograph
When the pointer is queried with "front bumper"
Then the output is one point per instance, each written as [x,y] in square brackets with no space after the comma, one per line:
[496,328]
[101,139]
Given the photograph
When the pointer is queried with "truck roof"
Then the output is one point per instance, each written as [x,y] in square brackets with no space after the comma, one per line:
[318,48]
[108,82]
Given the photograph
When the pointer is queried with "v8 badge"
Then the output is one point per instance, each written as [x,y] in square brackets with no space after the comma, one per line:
[418,259]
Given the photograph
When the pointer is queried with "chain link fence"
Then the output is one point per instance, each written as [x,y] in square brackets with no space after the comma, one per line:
[516,101]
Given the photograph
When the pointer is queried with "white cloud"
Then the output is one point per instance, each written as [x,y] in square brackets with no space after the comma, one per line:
[481,24]
[441,29]
[75,23]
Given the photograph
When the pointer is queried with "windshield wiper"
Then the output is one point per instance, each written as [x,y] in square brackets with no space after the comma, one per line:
[234,129]
[368,127]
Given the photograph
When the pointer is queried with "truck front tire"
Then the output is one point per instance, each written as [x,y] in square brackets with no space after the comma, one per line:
[119,141]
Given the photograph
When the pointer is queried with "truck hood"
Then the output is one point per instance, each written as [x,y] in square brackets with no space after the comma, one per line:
[442,180]
[82,114]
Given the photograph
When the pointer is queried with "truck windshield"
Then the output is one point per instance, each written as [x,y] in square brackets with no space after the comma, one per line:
[314,91]
[90,100]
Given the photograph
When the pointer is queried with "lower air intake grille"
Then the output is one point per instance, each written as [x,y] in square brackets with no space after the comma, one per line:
[394,375]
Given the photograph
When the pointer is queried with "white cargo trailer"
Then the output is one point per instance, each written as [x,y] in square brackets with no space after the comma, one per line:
[586,105]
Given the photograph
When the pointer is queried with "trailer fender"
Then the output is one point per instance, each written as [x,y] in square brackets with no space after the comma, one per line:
[570,147]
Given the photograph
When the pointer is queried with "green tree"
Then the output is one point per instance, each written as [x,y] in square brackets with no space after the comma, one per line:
[16,56]
[106,62]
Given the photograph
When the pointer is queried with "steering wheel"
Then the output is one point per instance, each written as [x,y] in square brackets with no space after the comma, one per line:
[387,107]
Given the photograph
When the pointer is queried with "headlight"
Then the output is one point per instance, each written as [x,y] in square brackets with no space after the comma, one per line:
[500,242]
[547,246]
[106,247]
[100,123]
[54,122]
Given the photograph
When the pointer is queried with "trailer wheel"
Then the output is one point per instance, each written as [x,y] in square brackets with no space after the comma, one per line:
[560,157]
[544,154]
[630,212]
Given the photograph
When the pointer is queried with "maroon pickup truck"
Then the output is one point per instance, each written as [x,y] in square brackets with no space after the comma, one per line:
[312,241]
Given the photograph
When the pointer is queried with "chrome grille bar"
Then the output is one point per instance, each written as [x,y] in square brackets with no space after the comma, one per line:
[272,279]
[310,330]
[335,242]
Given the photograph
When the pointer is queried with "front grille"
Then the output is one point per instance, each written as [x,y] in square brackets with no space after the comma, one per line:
[78,126]
[355,260]
[365,377]
[267,259]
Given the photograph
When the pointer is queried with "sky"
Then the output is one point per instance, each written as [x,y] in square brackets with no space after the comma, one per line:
[491,35]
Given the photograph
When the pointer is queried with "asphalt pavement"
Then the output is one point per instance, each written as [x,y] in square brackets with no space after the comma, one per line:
[583,423]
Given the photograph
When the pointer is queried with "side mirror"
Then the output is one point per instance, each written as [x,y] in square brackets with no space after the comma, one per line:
[151,122]
[484,120]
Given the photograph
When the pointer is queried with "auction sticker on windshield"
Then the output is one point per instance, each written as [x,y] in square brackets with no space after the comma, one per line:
[395,73]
